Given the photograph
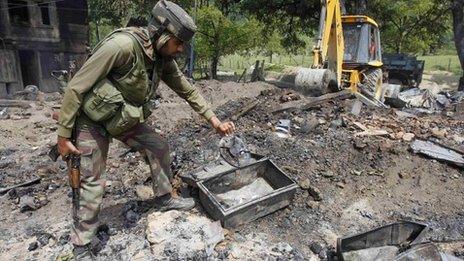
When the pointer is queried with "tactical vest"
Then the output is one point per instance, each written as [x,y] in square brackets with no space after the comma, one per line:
[119,103]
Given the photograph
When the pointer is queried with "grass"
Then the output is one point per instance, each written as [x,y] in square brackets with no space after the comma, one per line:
[448,63]
[238,63]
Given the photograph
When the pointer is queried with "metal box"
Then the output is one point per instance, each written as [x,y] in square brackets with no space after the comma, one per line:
[240,195]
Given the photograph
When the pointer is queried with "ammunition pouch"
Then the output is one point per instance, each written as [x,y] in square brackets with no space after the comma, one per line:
[106,105]
[103,101]
[126,118]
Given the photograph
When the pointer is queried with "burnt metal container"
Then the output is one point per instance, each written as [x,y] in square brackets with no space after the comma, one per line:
[240,195]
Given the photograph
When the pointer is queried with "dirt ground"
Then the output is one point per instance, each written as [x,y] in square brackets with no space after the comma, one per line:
[349,183]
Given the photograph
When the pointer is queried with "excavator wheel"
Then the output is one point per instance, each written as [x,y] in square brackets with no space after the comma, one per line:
[315,82]
[372,83]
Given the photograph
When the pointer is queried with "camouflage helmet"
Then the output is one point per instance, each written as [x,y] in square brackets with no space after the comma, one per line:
[168,16]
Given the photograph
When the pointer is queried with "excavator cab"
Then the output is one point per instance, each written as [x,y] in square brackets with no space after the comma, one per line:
[362,42]
[347,55]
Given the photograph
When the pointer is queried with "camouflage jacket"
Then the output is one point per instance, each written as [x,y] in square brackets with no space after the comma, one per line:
[114,57]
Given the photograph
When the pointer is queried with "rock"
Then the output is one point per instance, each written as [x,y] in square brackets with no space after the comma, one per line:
[282,247]
[180,235]
[385,146]
[26,203]
[315,193]
[131,216]
[408,136]
[144,192]
[298,120]
[64,239]
[340,185]
[305,184]
[44,238]
[399,135]
[359,144]
[309,125]
[130,182]
[316,247]
[289,96]
[312,204]
[458,139]
[16,117]
[4,114]
[336,123]
[33,246]
[323,255]
[327,174]
[357,107]
[440,134]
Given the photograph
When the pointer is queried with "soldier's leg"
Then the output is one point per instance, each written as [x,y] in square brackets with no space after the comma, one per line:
[144,139]
[94,148]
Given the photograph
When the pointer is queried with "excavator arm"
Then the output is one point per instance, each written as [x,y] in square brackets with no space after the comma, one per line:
[326,71]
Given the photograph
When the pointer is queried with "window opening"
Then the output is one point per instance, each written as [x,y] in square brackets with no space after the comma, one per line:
[18,12]
[45,10]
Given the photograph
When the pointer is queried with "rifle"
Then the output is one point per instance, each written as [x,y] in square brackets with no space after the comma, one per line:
[74,162]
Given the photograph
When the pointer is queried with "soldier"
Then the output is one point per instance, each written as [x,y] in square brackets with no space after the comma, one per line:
[108,98]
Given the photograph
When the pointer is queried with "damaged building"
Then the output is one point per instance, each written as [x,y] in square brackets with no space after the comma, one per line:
[38,37]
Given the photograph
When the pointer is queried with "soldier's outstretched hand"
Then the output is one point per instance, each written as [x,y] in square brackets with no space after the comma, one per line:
[226,128]
[223,128]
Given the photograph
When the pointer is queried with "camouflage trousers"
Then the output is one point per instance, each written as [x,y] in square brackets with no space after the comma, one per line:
[93,144]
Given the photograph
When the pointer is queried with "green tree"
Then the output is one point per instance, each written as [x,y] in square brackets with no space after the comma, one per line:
[414,26]
[110,14]
[458,27]
[293,19]
[218,35]
[101,13]
[271,44]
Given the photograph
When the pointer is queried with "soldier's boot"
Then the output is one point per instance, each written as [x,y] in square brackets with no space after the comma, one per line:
[83,253]
[167,202]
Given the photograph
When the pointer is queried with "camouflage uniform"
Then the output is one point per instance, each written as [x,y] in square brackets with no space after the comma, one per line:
[115,56]
[93,143]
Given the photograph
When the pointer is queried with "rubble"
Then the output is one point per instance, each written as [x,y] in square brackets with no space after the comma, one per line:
[177,236]
[283,128]
[436,151]
[256,246]
[323,156]
[27,203]
[144,192]
[399,241]
[33,246]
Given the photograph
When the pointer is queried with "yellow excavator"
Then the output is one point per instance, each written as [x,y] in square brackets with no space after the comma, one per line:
[347,54]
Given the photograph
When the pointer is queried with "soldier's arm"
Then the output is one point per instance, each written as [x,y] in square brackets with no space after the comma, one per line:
[174,78]
[114,53]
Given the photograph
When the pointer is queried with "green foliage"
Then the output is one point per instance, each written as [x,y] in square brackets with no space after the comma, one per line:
[218,35]
[107,15]
[414,26]
[292,19]
[272,44]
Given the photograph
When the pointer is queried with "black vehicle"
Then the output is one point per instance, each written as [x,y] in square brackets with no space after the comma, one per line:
[403,69]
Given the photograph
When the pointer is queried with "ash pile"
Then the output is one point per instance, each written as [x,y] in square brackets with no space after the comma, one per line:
[356,168]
